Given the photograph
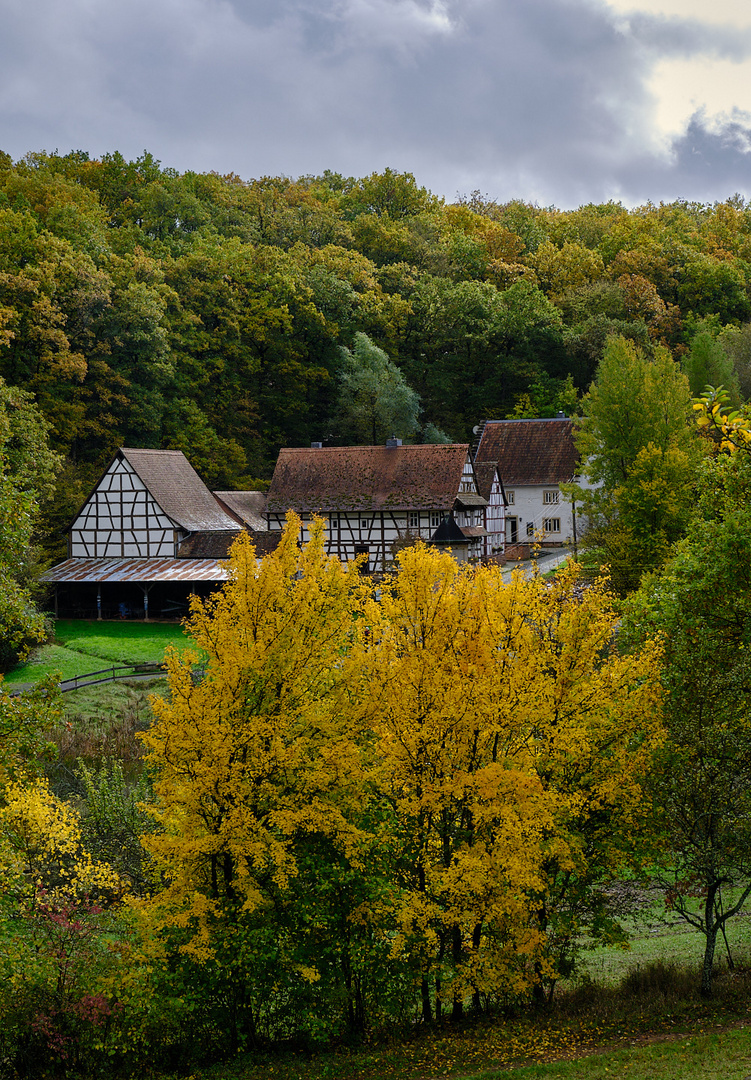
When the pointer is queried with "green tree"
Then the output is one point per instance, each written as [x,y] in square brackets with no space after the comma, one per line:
[27,473]
[639,455]
[374,398]
[707,364]
[701,783]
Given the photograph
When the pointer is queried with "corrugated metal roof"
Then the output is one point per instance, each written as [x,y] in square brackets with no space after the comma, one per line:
[530,452]
[179,490]
[367,478]
[248,506]
[136,570]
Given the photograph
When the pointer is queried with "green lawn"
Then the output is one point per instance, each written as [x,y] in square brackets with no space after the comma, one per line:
[80,647]
[694,1055]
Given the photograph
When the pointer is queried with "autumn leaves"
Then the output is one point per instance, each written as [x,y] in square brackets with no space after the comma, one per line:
[415,792]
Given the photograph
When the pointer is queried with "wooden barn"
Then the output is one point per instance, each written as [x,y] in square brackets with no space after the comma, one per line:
[149,535]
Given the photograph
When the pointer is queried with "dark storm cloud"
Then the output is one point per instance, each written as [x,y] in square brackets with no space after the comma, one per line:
[543,99]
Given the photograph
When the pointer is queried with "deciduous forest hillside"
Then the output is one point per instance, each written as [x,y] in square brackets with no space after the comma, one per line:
[207,313]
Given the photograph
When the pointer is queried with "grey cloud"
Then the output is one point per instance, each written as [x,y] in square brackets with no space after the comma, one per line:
[541,99]
[689,37]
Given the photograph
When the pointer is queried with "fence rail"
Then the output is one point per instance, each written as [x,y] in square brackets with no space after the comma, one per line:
[110,674]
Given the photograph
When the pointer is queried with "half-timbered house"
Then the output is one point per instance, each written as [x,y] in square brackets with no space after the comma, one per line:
[377,499]
[149,534]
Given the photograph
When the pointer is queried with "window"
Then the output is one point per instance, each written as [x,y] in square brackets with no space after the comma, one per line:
[552,524]
[549,497]
[530,528]
[466,485]
[333,522]
[435,518]
[510,498]
[365,523]
[414,519]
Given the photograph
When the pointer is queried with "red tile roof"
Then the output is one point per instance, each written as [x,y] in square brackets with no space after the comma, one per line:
[530,451]
[367,478]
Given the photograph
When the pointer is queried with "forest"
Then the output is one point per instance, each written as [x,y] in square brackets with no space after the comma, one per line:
[143,307]
[364,807]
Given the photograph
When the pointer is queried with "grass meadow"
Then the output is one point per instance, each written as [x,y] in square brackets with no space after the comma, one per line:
[80,646]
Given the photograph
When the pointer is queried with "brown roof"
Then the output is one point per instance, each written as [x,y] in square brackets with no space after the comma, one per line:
[179,490]
[530,451]
[484,474]
[207,545]
[369,478]
[248,506]
[216,545]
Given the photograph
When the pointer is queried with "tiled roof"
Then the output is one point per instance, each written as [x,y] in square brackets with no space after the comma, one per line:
[207,545]
[370,478]
[484,475]
[248,506]
[530,451]
[179,490]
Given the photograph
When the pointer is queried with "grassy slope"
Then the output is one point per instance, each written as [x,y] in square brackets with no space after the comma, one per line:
[80,647]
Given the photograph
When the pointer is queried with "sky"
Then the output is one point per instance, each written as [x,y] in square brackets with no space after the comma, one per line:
[558,102]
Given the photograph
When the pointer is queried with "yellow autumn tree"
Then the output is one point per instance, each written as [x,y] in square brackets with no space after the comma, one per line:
[257,761]
[512,739]
[373,799]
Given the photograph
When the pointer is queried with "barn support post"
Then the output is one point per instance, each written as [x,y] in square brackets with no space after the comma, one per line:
[145,589]
[99,601]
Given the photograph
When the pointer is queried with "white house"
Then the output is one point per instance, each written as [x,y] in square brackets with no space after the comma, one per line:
[533,457]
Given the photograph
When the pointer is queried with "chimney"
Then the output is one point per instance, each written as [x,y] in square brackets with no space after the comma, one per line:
[316,446]
[393,441]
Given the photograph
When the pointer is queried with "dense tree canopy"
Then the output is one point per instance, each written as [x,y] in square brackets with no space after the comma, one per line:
[140,305]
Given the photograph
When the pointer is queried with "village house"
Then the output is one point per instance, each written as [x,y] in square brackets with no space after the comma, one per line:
[533,458]
[150,535]
[377,499]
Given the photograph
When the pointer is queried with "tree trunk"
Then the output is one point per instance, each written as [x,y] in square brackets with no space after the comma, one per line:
[427,1012]
[710,929]
[457,1005]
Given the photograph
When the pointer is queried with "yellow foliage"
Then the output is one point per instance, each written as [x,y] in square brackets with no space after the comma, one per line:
[42,850]
[478,741]
[263,746]
[505,722]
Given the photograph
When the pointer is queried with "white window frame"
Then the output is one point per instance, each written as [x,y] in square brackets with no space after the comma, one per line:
[552,525]
[510,498]
[551,497]
[413,519]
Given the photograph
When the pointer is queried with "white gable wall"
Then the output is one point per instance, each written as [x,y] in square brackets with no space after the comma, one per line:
[122,519]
